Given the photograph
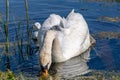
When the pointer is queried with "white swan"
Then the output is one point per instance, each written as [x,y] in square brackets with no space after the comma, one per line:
[36,28]
[61,39]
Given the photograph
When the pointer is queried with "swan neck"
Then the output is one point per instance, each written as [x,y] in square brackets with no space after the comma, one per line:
[48,41]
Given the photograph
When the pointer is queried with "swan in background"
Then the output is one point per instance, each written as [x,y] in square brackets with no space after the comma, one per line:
[36,28]
[50,22]
[61,39]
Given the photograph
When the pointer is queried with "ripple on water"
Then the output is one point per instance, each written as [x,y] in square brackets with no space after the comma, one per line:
[71,68]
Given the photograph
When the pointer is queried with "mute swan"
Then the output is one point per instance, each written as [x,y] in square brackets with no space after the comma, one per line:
[36,28]
[61,39]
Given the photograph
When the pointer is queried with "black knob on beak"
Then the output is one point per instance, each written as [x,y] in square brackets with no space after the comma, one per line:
[44,70]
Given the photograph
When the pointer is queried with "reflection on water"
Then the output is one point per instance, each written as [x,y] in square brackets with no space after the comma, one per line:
[73,67]
[107,54]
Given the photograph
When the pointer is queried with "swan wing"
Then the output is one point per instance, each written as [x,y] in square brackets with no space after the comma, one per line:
[77,39]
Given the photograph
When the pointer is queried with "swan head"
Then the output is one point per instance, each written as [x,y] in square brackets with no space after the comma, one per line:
[45,54]
[45,62]
[36,26]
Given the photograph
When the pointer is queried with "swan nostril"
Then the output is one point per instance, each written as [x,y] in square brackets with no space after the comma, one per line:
[44,71]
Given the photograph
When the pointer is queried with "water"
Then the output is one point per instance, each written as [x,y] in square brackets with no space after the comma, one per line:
[101,16]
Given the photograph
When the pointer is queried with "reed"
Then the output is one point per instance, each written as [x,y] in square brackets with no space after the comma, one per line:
[6,34]
[19,41]
[27,21]
[18,44]
[27,17]
[29,30]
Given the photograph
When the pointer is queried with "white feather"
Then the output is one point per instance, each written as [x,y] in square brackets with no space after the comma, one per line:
[74,39]
[71,41]
[51,21]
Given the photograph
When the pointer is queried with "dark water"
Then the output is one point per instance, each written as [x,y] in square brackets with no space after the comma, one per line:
[101,16]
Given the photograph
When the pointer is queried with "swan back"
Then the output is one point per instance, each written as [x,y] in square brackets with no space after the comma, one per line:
[51,21]
[76,38]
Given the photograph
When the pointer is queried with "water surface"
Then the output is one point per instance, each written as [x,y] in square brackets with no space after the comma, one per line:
[101,16]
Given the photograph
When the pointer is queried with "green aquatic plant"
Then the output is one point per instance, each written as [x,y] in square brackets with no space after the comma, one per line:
[18,45]
[105,75]
[27,21]
[117,0]
[9,75]
[19,41]
[6,34]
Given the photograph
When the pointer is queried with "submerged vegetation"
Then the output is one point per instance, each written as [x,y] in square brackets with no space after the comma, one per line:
[94,75]
[9,75]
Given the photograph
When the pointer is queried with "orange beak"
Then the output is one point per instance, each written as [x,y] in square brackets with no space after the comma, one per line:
[45,73]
